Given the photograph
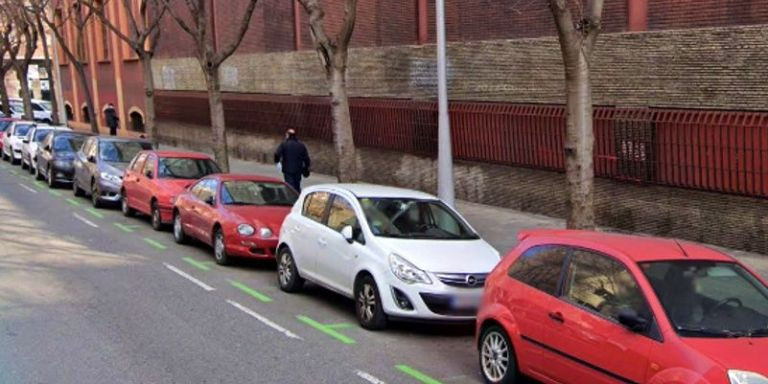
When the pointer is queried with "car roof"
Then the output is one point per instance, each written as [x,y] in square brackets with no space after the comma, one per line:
[242,176]
[634,247]
[190,155]
[125,139]
[373,190]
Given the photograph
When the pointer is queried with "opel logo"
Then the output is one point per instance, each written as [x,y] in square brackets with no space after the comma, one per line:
[471,280]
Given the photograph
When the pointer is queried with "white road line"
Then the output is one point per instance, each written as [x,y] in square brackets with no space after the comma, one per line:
[264,320]
[369,378]
[190,278]
[28,188]
[84,220]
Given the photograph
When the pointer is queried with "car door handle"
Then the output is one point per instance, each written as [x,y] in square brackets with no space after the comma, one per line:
[557,316]
[322,242]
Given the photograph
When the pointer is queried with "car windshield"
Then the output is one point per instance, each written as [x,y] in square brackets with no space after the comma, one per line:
[414,219]
[185,168]
[248,192]
[710,299]
[40,134]
[46,105]
[68,143]
[121,151]
[4,125]
[22,129]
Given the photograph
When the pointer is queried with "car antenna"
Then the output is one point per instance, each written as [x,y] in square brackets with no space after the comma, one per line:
[682,249]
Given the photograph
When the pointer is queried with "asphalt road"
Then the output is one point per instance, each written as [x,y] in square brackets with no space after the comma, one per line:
[92,297]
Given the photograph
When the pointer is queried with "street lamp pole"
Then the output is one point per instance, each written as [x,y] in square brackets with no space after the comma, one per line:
[444,152]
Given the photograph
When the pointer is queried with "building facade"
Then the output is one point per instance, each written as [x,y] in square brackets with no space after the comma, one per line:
[679,86]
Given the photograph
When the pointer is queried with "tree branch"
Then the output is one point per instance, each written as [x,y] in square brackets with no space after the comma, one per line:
[348,26]
[244,24]
[183,24]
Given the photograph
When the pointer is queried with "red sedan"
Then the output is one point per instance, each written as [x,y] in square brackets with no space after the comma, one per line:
[154,178]
[238,215]
[587,307]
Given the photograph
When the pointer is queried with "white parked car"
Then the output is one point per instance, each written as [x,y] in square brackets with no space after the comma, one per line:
[398,253]
[31,141]
[12,140]
[41,110]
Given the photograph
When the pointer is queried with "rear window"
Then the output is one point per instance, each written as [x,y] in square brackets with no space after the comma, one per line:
[185,168]
[314,205]
[540,267]
[22,129]
[68,143]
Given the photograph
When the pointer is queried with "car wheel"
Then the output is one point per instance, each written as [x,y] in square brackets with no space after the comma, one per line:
[23,164]
[38,175]
[497,357]
[76,188]
[127,210]
[178,229]
[288,276]
[51,179]
[95,196]
[31,168]
[4,156]
[157,220]
[219,248]
[370,312]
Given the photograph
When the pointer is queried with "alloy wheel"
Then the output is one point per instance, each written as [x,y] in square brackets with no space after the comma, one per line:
[218,247]
[178,232]
[156,222]
[366,300]
[284,269]
[495,356]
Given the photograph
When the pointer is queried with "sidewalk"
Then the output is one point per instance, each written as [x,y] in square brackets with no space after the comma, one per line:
[499,226]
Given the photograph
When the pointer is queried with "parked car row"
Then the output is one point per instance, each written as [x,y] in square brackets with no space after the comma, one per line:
[562,307]
[41,110]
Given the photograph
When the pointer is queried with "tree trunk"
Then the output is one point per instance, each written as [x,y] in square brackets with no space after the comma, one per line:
[51,85]
[343,139]
[149,101]
[4,95]
[26,96]
[579,143]
[218,127]
[88,97]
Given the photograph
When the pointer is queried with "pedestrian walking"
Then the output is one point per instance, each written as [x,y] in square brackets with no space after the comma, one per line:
[293,160]
[111,118]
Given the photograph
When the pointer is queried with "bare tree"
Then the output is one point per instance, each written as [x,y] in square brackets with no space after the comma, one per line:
[47,65]
[333,55]
[210,57]
[79,16]
[143,37]
[25,36]
[10,47]
[577,43]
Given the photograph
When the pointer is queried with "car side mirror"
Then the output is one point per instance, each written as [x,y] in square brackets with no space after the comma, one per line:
[25,141]
[209,200]
[632,320]
[92,159]
[148,174]
[348,233]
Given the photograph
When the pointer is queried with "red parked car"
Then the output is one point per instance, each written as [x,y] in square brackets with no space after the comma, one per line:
[5,122]
[586,307]
[154,178]
[238,215]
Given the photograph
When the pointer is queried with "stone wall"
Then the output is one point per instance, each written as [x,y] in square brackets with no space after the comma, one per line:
[716,68]
[730,221]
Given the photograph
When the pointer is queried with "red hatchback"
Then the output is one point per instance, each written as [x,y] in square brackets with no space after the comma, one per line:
[238,215]
[586,307]
[154,178]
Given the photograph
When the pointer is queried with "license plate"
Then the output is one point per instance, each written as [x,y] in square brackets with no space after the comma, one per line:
[466,302]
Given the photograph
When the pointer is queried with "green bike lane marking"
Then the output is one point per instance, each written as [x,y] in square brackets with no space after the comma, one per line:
[54,192]
[416,374]
[40,184]
[129,228]
[72,202]
[95,213]
[155,244]
[251,292]
[328,329]
[203,266]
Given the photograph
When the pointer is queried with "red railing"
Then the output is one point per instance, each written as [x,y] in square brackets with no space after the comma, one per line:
[717,151]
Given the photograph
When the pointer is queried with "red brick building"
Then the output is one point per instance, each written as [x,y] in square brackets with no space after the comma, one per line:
[679,85]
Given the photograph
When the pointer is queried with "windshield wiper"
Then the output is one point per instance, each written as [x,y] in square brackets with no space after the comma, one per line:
[708,332]
[757,332]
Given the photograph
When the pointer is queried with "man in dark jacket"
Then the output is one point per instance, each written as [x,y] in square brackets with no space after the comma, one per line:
[111,118]
[294,160]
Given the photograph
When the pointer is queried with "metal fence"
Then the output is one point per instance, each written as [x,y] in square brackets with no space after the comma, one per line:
[717,151]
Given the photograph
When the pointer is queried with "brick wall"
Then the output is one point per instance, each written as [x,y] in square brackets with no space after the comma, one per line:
[730,221]
[717,68]
[674,14]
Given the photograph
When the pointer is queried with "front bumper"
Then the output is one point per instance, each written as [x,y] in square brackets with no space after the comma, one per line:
[437,301]
[251,247]
[17,154]
[109,191]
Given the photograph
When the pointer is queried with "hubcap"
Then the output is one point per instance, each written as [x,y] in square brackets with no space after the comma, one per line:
[177,227]
[366,300]
[284,269]
[495,356]
[95,194]
[155,217]
[124,205]
[219,246]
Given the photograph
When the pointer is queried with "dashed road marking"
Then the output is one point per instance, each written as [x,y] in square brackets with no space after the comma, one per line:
[190,278]
[155,244]
[124,228]
[197,264]
[264,320]
[95,213]
[72,201]
[251,292]
[416,374]
[56,193]
[328,329]
[368,377]
[84,220]
[28,188]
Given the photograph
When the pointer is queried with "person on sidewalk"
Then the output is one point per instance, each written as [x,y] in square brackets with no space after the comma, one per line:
[110,116]
[293,158]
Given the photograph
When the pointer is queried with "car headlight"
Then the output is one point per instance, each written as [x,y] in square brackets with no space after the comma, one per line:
[245,230]
[407,272]
[110,177]
[745,377]
[265,233]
